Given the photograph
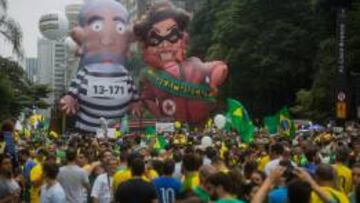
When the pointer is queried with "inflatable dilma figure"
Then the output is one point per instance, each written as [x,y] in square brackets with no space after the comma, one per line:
[102,87]
[173,86]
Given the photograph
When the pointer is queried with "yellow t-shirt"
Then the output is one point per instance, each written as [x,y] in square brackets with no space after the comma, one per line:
[191,181]
[124,175]
[263,161]
[336,195]
[36,174]
[344,178]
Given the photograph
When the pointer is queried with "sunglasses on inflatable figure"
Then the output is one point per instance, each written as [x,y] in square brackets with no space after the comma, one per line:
[155,39]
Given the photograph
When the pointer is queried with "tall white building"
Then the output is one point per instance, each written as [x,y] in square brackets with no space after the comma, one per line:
[52,67]
[72,13]
[31,68]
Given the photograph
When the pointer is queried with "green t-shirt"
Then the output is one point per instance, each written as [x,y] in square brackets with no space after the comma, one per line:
[229,201]
[202,194]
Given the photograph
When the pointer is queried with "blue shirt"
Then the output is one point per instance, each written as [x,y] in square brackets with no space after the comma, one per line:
[167,188]
[278,195]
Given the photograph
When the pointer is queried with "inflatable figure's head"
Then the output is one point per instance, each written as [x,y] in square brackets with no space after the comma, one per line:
[163,36]
[103,32]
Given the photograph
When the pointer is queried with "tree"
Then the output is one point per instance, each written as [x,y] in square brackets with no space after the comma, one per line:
[17,92]
[10,30]
[268,45]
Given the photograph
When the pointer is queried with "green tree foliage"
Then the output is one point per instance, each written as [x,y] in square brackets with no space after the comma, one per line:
[277,51]
[17,92]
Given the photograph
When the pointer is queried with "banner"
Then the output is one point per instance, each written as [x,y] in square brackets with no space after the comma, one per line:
[165,127]
[165,82]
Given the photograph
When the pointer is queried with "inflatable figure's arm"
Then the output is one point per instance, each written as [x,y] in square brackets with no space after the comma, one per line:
[218,72]
[69,103]
[149,98]
[135,107]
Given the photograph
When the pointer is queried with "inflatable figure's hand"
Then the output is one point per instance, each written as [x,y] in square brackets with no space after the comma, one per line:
[135,109]
[219,72]
[69,105]
[214,91]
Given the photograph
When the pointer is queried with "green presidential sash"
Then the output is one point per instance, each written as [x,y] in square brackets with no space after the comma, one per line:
[167,83]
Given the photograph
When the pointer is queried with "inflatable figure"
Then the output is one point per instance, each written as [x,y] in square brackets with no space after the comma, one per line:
[103,86]
[174,86]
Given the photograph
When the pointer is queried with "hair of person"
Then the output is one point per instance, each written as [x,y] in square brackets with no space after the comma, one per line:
[298,191]
[158,166]
[277,149]
[3,157]
[7,126]
[249,168]
[51,170]
[310,153]
[24,152]
[325,172]
[123,156]
[261,173]
[132,157]
[210,152]
[237,181]
[192,162]
[71,154]
[137,167]
[223,180]
[342,154]
[177,156]
[169,167]
[206,171]
[157,13]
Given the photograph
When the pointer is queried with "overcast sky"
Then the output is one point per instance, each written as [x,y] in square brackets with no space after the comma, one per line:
[27,13]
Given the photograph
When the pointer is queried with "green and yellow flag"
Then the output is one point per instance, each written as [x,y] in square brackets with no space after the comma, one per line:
[239,120]
[280,123]
[160,142]
[286,124]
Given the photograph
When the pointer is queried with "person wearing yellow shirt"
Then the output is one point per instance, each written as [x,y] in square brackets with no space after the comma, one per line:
[326,177]
[262,161]
[191,166]
[125,174]
[37,179]
[36,174]
[344,177]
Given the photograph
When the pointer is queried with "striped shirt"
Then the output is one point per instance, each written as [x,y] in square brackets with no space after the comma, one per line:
[102,90]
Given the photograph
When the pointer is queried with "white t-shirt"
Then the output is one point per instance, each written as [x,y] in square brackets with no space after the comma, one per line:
[102,189]
[54,194]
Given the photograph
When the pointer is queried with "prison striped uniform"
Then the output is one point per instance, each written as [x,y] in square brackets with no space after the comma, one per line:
[92,108]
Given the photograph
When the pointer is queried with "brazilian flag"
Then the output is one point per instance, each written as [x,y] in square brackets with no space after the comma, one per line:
[239,120]
[160,143]
[280,123]
[286,124]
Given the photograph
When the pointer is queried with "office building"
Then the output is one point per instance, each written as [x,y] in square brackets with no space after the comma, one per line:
[31,68]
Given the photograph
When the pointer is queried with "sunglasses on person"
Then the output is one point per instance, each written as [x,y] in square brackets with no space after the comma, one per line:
[155,39]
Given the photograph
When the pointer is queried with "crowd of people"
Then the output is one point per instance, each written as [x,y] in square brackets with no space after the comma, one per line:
[196,166]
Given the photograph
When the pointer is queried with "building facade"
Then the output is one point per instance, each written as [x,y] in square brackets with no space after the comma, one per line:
[52,67]
[31,68]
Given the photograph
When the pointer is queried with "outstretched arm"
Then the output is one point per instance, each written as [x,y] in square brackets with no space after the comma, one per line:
[218,72]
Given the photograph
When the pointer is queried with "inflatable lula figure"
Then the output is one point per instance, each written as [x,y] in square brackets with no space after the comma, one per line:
[174,86]
[102,87]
